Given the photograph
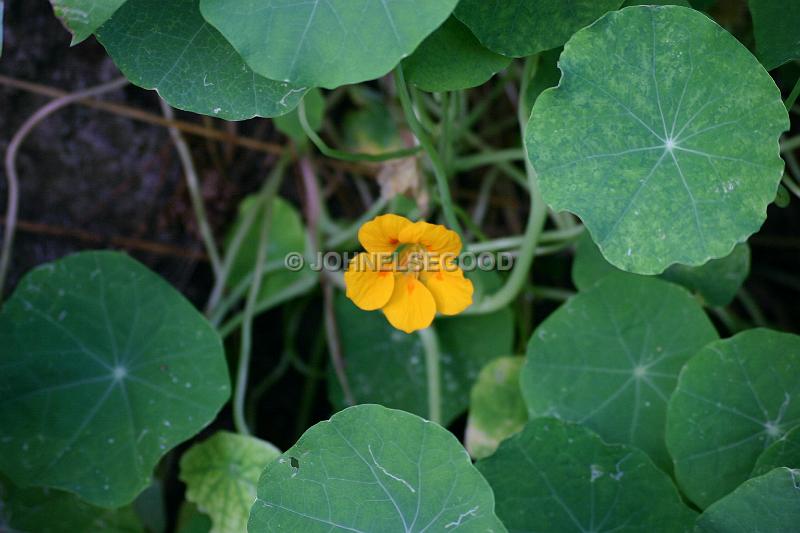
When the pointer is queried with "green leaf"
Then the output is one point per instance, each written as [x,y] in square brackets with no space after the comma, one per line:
[561,477]
[105,368]
[289,124]
[370,468]
[287,235]
[610,357]
[83,17]
[668,150]
[717,281]
[775,24]
[167,46]
[518,28]
[371,130]
[221,474]
[496,407]
[451,59]
[684,3]
[387,366]
[734,398]
[770,503]
[325,44]
[545,76]
[783,452]
[191,520]
[37,510]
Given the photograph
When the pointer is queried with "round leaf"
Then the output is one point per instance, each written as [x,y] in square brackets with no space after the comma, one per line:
[668,150]
[450,59]
[519,28]
[775,24]
[82,17]
[33,510]
[370,468]
[105,367]
[387,366]
[615,374]
[734,398]
[167,46]
[783,452]
[770,503]
[221,474]
[496,407]
[717,281]
[561,477]
[325,44]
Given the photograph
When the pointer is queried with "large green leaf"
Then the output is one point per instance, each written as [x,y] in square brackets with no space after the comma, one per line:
[775,24]
[167,46]
[221,475]
[770,503]
[496,407]
[104,368]
[517,28]
[734,398]
[370,468]
[325,44]
[35,510]
[783,452]
[83,17]
[387,366]
[668,148]
[717,281]
[559,477]
[450,59]
[610,357]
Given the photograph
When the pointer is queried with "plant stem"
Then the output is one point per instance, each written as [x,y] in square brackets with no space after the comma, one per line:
[789,103]
[273,183]
[533,230]
[196,196]
[427,144]
[347,156]
[489,158]
[11,163]
[430,344]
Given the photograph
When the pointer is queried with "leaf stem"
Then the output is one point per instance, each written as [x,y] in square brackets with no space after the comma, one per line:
[347,156]
[489,158]
[273,183]
[430,344]
[193,185]
[789,103]
[425,140]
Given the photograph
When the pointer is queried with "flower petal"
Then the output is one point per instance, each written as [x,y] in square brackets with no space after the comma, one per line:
[411,306]
[382,233]
[436,239]
[451,291]
[367,285]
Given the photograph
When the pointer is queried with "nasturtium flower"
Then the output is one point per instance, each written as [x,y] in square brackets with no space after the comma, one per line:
[409,272]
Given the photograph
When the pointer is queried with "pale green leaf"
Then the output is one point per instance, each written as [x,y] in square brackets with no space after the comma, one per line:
[387,366]
[105,368]
[783,452]
[167,46]
[559,477]
[221,475]
[769,504]
[610,357]
[717,281]
[325,44]
[373,469]
[451,59]
[775,24]
[662,136]
[35,510]
[496,407]
[734,399]
[517,28]
[83,17]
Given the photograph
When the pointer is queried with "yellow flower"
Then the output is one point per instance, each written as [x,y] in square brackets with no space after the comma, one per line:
[409,272]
